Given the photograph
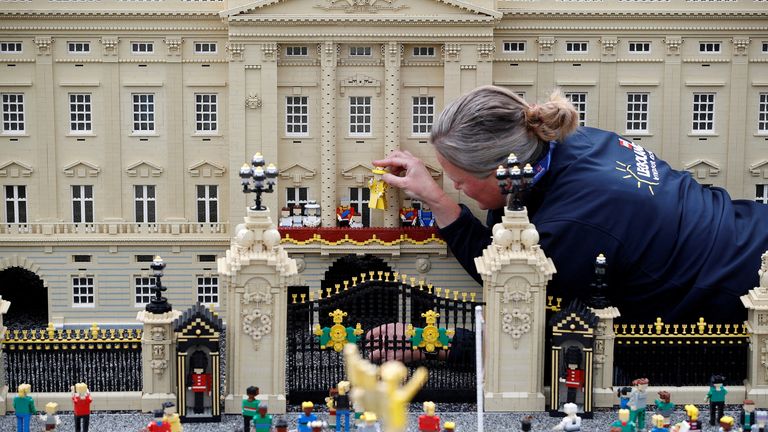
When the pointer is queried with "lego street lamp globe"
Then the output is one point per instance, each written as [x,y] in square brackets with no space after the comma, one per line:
[158,304]
[513,181]
[263,179]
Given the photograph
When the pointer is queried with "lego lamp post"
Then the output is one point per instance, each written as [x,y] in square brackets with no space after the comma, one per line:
[263,179]
[513,181]
[158,304]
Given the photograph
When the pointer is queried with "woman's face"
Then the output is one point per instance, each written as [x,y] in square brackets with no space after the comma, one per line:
[485,191]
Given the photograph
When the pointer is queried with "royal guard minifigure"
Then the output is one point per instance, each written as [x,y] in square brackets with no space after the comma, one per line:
[81,403]
[50,420]
[665,407]
[172,417]
[24,407]
[378,189]
[426,219]
[623,423]
[158,424]
[344,213]
[429,422]
[262,422]
[286,220]
[716,398]
[408,214]
[297,218]
[573,376]
[638,402]
[747,416]
[306,417]
[693,421]
[200,381]
[342,404]
[312,217]
[657,421]
[571,422]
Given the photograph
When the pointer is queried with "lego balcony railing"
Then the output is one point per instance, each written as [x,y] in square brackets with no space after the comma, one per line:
[361,236]
[112,228]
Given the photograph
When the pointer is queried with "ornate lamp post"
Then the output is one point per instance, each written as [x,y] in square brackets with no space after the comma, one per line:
[513,181]
[598,299]
[158,304]
[263,179]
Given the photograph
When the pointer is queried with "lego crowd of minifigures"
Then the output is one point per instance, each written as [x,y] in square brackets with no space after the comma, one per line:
[24,407]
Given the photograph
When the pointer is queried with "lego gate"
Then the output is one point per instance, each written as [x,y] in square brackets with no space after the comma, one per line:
[374,311]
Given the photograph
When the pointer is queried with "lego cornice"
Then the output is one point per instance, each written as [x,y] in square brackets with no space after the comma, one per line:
[401,37]
[626,28]
[608,14]
[385,19]
[111,28]
[297,172]
[58,13]
[251,7]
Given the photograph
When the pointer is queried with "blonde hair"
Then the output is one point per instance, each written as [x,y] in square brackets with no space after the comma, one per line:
[477,131]
[692,412]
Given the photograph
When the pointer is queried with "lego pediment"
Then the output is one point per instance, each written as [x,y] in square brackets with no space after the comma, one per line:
[297,173]
[206,169]
[15,169]
[198,322]
[702,168]
[359,173]
[81,169]
[576,319]
[144,169]
[759,169]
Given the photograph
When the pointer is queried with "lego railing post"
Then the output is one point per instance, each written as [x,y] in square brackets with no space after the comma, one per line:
[756,302]
[256,272]
[602,393]
[4,305]
[515,273]
[158,354]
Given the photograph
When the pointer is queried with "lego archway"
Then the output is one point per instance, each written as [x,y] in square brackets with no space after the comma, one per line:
[28,296]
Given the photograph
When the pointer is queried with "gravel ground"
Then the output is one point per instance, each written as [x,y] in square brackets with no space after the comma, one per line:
[465,422]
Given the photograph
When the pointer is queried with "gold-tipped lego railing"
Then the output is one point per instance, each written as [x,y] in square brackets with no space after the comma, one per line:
[94,337]
[700,329]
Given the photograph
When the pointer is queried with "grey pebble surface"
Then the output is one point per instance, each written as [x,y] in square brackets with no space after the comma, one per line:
[465,420]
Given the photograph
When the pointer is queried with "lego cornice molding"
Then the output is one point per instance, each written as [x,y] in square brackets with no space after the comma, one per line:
[360,236]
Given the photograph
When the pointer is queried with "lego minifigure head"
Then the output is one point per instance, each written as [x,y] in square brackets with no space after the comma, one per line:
[369,418]
[252,392]
[624,415]
[657,420]
[573,357]
[307,407]
[449,426]
[692,411]
[717,381]
[81,389]
[263,410]
[357,220]
[641,384]
[312,208]
[749,405]
[726,422]
[525,424]
[343,387]
[24,390]
[51,407]
[429,408]
[570,409]
[761,418]
[281,425]
[198,370]
[624,392]
[169,408]
[664,396]
[285,212]
[296,210]
[157,415]
[378,172]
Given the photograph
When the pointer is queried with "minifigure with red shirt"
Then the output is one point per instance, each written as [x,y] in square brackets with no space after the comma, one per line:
[158,424]
[429,422]
[199,380]
[573,376]
[81,401]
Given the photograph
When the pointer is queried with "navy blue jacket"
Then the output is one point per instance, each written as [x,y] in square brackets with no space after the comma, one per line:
[675,249]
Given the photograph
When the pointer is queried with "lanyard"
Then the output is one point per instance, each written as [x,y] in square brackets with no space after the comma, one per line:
[542,166]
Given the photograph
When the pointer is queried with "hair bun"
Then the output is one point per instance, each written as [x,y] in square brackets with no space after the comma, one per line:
[553,120]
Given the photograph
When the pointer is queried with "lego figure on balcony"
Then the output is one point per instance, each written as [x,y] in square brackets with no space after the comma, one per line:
[81,402]
[429,422]
[344,213]
[408,214]
[571,422]
[297,218]
[286,220]
[573,377]
[357,221]
[50,420]
[200,380]
[638,402]
[24,407]
[425,216]
[716,398]
[312,217]
[378,189]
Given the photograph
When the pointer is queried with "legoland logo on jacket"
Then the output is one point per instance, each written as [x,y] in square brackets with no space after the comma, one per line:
[642,169]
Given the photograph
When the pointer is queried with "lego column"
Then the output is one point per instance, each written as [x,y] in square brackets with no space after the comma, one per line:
[45,143]
[328,170]
[602,388]
[545,80]
[607,82]
[243,124]
[485,63]
[392,57]
[157,359]
[256,271]
[451,72]
[176,133]
[515,273]
[756,302]
[737,111]
[4,305]
[672,131]
[269,136]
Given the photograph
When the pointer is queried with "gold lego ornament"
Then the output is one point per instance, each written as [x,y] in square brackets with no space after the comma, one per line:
[430,337]
[386,398]
[378,189]
[337,335]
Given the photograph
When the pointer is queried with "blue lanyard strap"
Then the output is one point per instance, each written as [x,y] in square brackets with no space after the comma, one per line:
[542,166]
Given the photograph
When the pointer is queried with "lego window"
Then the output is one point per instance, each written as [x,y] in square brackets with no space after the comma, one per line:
[144,203]
[83,292]
[579,101]
[576,47]
[423,51]
[358,199]
[297,115]
[514,46]
[206,258]
[142,47]
[296,196]
[762,114]
[360,115]
[761,193]
[296,51]
[82,203]
[639,47]
[208,290]
[765,48]
[143,290]
[80,113]
[15,204]
[709,47]
[143,113]
[207,203]
[206,47]
[359,51]
[13,113]
[703,112]
[423,114]
[637,112]
[79,47]
[10,47]
[206,112]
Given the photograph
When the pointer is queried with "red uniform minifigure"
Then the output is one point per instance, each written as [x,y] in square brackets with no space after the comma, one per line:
[199,380]
[573,377]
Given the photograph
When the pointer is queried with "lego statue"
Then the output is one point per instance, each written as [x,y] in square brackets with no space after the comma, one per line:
[312,217]
[573,376]
[286,220]
[429,422]
[306,417]
[200,380]
[172,417]
[158,424]
[638,402]
[24,407]
[250,406]
[342,404]
[716,398]
[378,189]
[344,213]
[571,422]
[425,217]
[81,402]
[50,420]
[262,422]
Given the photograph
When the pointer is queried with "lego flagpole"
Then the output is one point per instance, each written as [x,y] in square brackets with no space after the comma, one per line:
[479,364]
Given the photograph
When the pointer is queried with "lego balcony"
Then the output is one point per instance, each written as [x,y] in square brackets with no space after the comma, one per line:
[374,240]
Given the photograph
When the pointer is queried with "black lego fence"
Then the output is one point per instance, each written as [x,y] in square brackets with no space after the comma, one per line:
[680,354]
[381,305]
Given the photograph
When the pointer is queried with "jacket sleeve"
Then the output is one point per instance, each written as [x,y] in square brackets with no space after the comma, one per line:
[466,238]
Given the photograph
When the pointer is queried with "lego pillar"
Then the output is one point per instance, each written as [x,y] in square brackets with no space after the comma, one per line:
[392,123]
[515,273]
[4,305]
[268,139]
[606,116]
[157,359]
[48,141]
[256,271]
[602,393]
[328,170]
[672,132]
[737,112]
[756,302]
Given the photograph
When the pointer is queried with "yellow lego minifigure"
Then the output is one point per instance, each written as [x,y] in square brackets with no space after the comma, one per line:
[378,189]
